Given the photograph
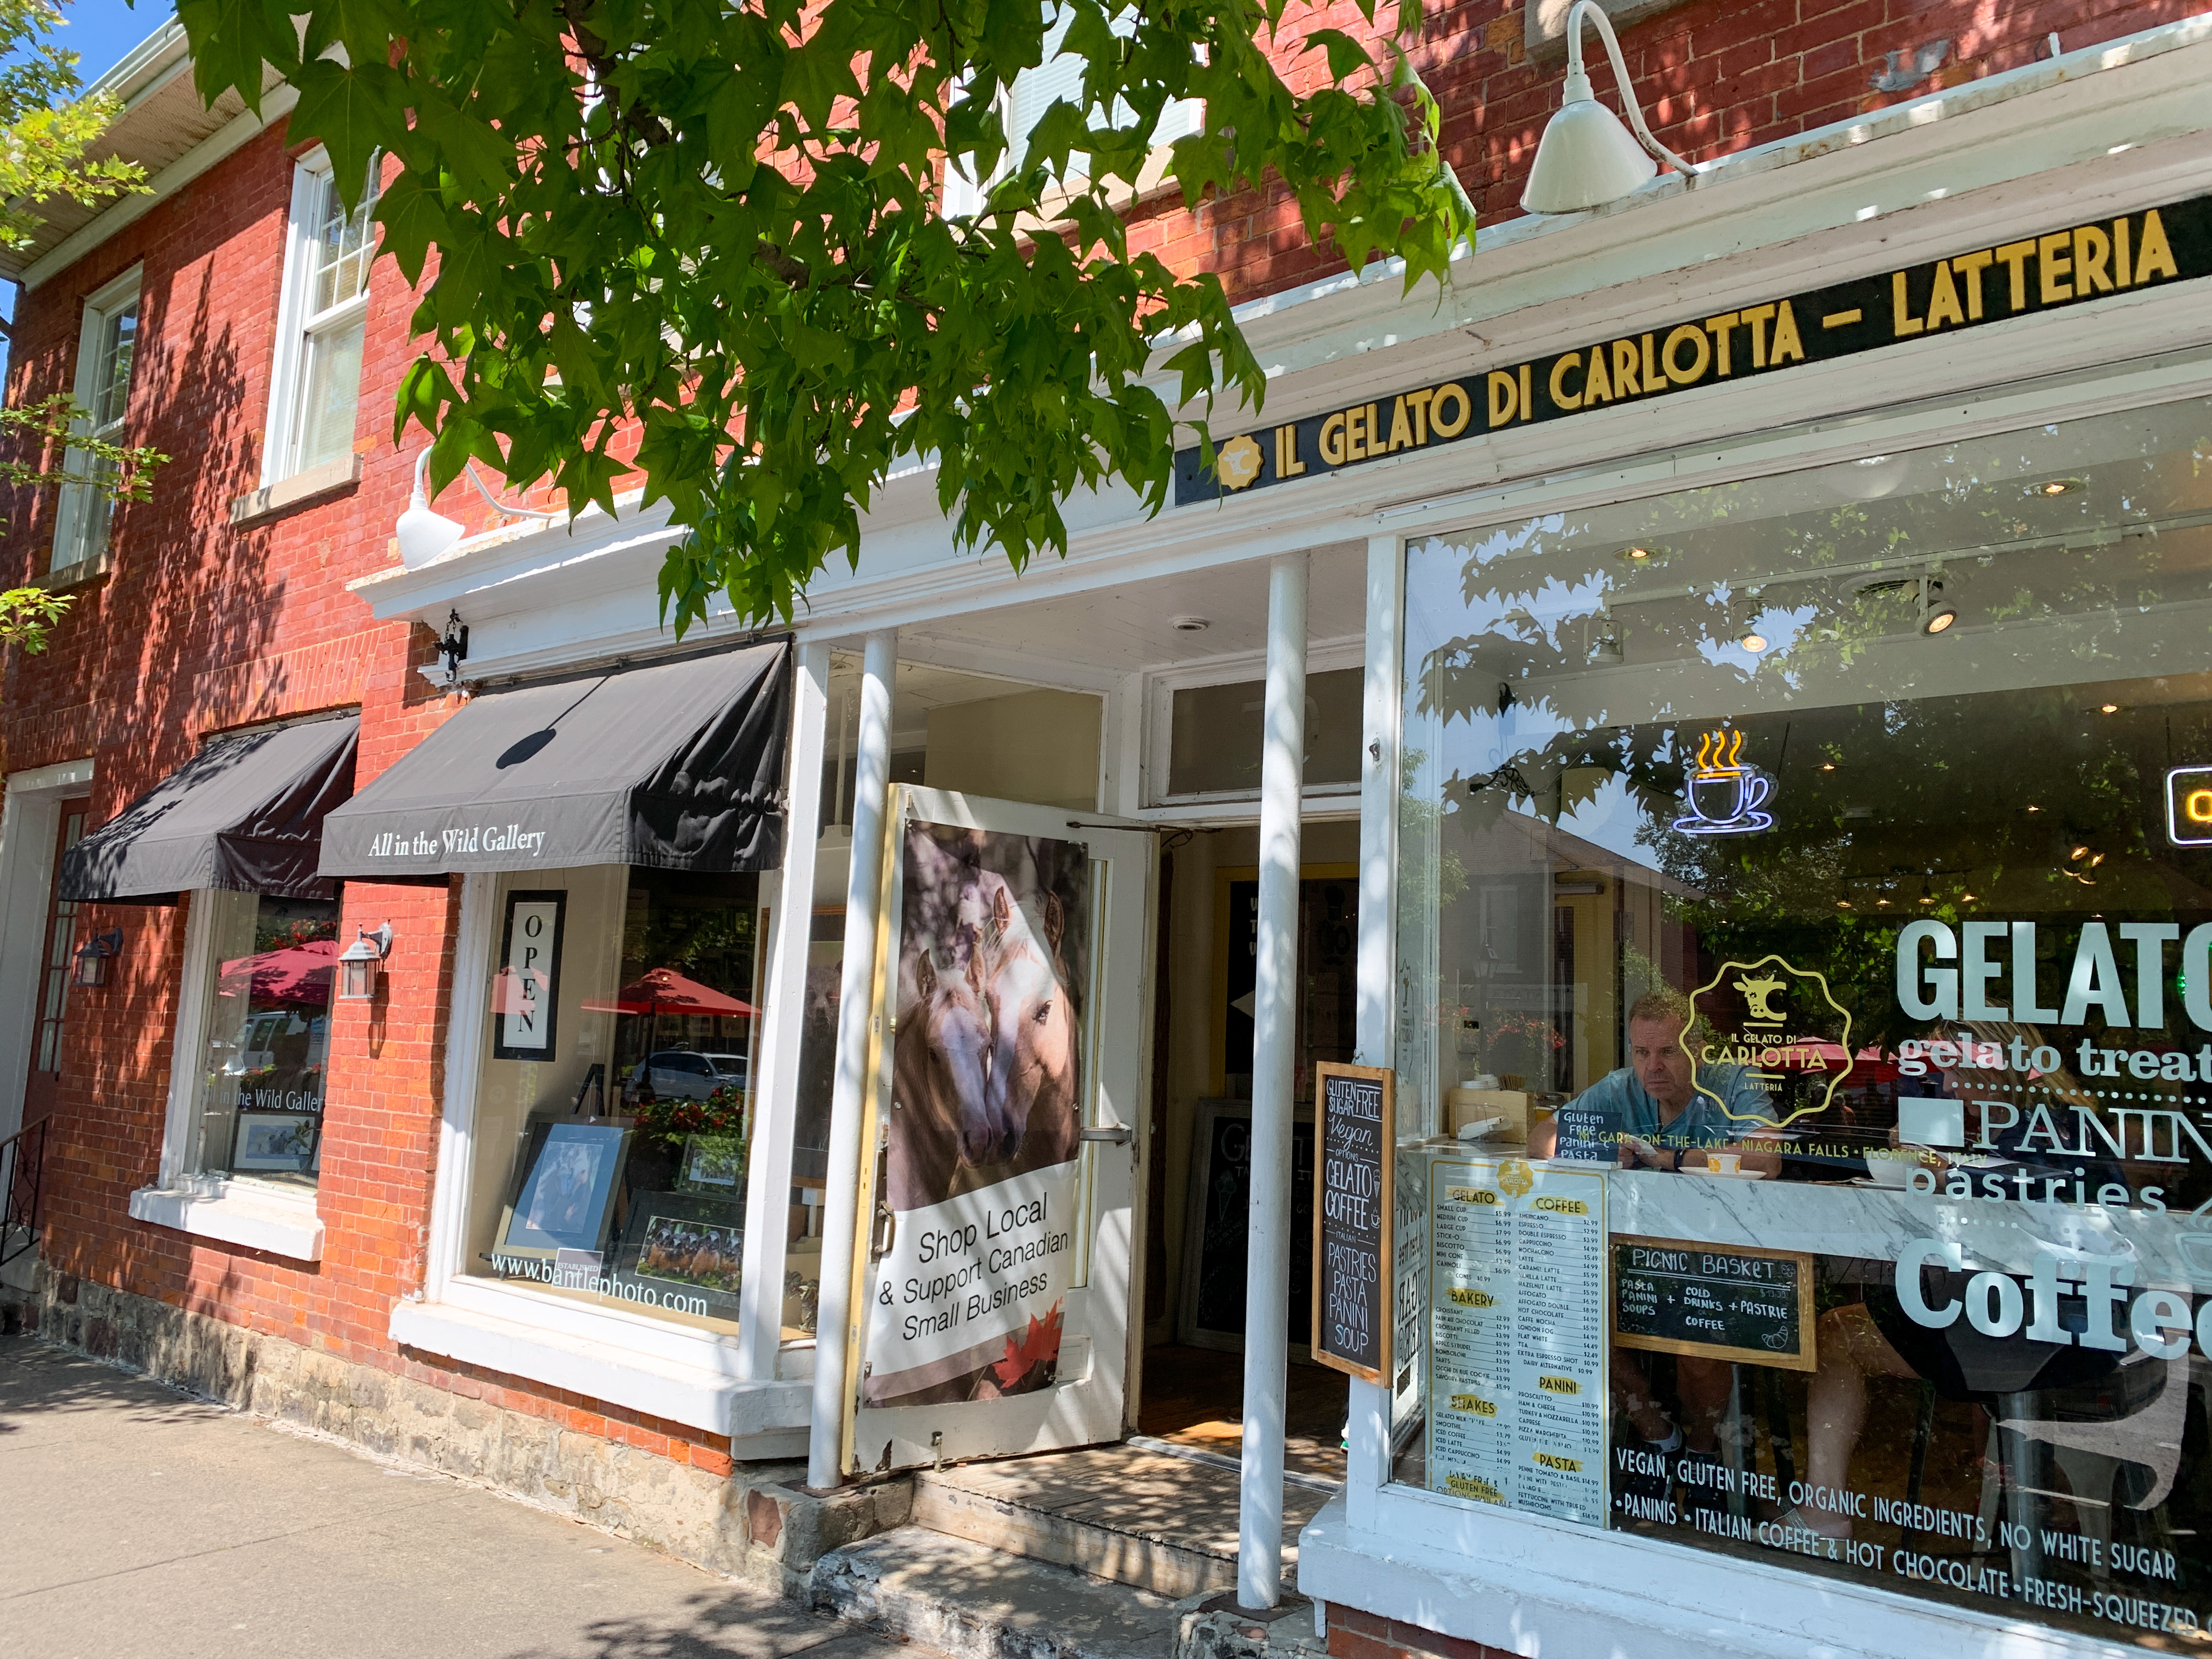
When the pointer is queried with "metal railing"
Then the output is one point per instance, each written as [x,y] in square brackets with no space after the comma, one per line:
[22,1180]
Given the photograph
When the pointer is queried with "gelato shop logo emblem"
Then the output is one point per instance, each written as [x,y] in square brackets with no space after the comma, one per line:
[1722,794]
[1779,1024]
[2188,806]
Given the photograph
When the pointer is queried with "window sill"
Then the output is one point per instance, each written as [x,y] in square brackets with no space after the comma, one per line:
[77,574]
[285,494]
[691,1380]
[257,1219]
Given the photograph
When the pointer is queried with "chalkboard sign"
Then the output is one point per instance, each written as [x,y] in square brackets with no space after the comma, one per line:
[1586,1136]
[1218,1227]
[1355,1139]
[1674,1296]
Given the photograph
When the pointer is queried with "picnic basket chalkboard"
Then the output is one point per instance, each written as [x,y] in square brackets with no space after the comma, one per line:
[1355,1144]
[1719,1301]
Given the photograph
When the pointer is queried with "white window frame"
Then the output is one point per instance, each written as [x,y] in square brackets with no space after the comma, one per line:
[257,1215]
[72,555]
[1246,666]
[296,329]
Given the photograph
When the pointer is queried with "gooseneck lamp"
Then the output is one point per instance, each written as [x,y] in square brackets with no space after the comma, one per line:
[1586,157]
[424,535]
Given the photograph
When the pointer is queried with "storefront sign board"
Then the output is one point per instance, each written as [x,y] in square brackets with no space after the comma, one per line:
[2070,265]
[526,992]
[1519,1407]
[1355,1147]
[1675,1296]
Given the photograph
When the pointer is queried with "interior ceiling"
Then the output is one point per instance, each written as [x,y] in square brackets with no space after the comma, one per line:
[1126,627]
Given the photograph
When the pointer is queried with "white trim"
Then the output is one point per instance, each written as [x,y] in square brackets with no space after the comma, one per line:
[464,1018]
[775,1088]
[30,820]
[276,104]
[1526,1583]
[1230,668]
[297,328]
[99,313]
[244,1213]
[179,1149]
[699,1396]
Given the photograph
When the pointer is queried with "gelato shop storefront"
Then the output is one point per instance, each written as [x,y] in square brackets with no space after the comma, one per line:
[1802,1021]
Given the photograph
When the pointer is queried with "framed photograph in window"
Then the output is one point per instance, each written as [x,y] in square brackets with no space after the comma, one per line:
[684,1253]
[564,1189]
[273,1142]
[526,991]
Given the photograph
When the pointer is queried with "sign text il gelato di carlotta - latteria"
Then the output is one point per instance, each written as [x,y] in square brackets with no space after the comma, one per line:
[2065,267]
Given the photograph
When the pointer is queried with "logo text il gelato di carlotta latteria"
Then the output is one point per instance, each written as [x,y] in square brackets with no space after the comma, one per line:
[1781,1025]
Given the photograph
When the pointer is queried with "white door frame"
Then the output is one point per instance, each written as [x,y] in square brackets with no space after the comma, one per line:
[30,820]
[1089,1404]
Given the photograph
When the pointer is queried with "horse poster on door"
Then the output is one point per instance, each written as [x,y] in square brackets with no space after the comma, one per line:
[993,961]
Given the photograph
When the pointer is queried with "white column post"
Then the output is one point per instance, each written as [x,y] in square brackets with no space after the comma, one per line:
[783,1018]
[1368,1455]
[864,895]
[1275,1015]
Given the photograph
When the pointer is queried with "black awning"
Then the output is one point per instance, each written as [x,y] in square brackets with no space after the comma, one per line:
[244,814]
[679,766]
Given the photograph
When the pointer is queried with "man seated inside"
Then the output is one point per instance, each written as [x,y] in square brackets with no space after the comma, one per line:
[1655,1107]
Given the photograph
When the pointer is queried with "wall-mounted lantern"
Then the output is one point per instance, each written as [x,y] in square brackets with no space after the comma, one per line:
[90,968]
[358,964]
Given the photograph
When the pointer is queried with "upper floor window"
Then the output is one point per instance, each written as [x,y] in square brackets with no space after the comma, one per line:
[1034,91]
[316,390]
[106,349]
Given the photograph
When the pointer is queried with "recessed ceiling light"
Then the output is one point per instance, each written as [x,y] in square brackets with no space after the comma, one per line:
[1753,643]
[2108,709]
[2057,486]
[2034,809]
[1968,897]
[1191,624]
[1828,766]
[1637,552]
[1843,904]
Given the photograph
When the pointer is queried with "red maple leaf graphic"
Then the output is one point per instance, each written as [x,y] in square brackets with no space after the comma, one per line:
[1039,1346]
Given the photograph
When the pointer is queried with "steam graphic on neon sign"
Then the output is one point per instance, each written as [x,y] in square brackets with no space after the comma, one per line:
[1723,795]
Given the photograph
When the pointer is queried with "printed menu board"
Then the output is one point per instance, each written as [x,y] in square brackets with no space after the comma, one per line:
[1355,1144]
[1519,1410]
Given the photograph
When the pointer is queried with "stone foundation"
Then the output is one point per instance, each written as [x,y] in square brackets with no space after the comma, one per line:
[755,1524]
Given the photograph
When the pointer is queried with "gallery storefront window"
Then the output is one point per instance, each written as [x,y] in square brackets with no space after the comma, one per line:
[270,964]
[1805,1020]
[613,1106]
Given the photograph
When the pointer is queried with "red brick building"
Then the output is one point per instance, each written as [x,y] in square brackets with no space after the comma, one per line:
[348,1211]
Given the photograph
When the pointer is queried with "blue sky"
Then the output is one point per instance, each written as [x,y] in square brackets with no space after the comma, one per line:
[101,31]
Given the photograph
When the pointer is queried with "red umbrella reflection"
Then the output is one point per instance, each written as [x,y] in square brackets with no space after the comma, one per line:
[665,991]
[298,974]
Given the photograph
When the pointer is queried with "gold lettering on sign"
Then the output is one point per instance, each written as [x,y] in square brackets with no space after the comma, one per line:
[2093,257]
[2120,251]
[1597,388]
[1569,360]
[1944,305]
[1624,381]
[1528,397]
[2154,258]
[1401,429]
[1504,397]
[1418,403]
[1971,265]
[1756,318]
[1693,337]
[1720,328]
[1287,464]
[1901,319]
[1787,348]
[1449,426]
[1653,380]
[1331,439]
[2014,256]
[1355,433]
[2053,265]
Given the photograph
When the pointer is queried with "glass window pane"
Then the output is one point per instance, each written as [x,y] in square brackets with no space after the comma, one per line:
[344,245]
[331,399]
[1806,911]
[1215,734]
[611,1111]
[271,965]
[112,383]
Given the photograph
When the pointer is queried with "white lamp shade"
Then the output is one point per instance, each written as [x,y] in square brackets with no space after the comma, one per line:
[424,535]
[1586,158]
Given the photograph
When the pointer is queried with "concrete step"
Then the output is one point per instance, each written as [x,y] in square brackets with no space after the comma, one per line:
[972,1601]
[1144,1514]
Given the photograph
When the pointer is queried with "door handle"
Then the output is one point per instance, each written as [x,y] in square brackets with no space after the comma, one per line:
[1121,1134]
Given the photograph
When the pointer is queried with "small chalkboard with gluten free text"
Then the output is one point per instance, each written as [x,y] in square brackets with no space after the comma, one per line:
[1674,1296]
[1355,1147]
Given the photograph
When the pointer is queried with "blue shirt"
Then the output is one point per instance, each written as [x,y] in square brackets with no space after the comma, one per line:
[1627,1109]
